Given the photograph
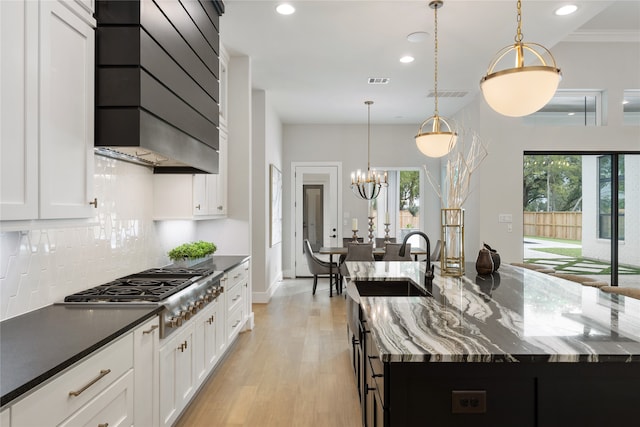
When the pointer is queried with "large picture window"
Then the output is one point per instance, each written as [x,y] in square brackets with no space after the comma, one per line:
[604,197]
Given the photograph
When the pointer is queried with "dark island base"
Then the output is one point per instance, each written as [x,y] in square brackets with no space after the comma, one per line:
[515,394]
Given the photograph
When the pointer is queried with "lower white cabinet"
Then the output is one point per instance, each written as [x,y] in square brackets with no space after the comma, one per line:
[99,386]
[5,418]
[146,370]
[177,373]
[206,341]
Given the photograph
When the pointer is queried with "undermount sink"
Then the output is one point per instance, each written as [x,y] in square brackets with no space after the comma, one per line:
[389,288]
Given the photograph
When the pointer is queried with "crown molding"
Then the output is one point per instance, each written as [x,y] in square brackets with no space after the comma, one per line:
[606,36]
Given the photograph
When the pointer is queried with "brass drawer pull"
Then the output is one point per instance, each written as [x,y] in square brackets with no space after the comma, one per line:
[236,324]
[236,298]
[103,372]
[151,329]
[103,425]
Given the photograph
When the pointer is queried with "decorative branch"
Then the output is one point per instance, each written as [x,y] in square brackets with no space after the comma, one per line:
[460,167]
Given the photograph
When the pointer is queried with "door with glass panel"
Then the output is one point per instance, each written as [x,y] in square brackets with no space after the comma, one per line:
[316,211]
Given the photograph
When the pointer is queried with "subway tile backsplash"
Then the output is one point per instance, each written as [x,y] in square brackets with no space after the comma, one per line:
[41,266]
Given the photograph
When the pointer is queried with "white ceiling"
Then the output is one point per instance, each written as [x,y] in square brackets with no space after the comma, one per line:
[314,64]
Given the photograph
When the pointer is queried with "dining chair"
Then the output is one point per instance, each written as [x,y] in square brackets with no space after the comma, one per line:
[435,255]
[380,241]
[318,267]
[347,240]
[356,252]
[391,252]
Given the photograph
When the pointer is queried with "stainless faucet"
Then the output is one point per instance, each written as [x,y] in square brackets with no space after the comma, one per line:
[428,273]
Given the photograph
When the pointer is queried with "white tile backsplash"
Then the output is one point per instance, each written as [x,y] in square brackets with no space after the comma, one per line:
[41,266]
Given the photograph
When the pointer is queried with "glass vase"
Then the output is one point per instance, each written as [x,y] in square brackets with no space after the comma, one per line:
[452,236]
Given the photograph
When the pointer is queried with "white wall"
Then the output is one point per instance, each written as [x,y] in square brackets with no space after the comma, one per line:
[232,234]
[266,150]
[391,146]
[44,263]
[608,66]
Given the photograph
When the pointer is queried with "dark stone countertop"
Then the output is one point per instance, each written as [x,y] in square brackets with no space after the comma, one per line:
[514,315]
[37,345]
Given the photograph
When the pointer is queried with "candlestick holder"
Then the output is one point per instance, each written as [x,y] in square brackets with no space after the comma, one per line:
[387,238]
[370,229]
[355,235]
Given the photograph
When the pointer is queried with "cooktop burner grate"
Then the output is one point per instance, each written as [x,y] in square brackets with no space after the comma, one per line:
[132,288]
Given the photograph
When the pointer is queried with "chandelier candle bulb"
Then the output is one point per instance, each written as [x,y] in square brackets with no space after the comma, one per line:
[354,224]
[386,218]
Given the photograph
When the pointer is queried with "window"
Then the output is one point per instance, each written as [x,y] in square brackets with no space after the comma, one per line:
[631,107]
[604,197]
[569,108]
[401,201]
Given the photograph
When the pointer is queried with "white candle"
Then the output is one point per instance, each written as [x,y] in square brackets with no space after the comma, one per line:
[354,224]
[386,218]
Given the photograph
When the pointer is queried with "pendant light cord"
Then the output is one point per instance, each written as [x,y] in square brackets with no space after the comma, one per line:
[518,37]
[368,135]
[435,74]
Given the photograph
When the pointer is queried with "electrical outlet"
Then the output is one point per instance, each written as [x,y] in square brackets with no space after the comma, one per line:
[509,227]
[468,401]
[505,218]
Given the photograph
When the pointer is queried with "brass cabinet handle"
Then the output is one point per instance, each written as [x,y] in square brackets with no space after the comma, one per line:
[236,276]
[198,207]
[236,324]
[94,203]
[236,298]
[151,329]
[219,208]
[183,347]
[103,372]
[103,425]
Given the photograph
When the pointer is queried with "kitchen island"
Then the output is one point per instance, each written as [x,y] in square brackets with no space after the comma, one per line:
[513,348]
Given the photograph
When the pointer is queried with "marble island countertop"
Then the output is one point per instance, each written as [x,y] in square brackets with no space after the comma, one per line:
[514,315]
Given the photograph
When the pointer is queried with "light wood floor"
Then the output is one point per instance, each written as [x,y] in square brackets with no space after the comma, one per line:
[293,369]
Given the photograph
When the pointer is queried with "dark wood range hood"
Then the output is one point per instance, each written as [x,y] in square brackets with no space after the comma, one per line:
[157,89]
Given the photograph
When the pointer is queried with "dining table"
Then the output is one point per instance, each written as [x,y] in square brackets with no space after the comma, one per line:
[378,253]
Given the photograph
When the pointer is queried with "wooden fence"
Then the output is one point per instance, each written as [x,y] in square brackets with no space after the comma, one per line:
[557,225]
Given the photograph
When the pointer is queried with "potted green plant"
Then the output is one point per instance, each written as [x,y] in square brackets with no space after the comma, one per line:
[192,253]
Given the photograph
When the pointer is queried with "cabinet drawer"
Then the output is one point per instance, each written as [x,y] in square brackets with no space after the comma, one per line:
[234,324]
[238,274]
[234,297]
[113,407]
[54,401]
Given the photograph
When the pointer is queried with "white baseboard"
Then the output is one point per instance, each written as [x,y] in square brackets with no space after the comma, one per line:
[289,274]
[265,297]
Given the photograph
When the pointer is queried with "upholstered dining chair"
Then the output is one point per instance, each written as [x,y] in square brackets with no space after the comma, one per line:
[318,267]
[356,252]
[380,241]
[391,252]
[435,255]
[347,240]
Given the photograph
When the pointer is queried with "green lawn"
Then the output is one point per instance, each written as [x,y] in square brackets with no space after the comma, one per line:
[568,252]
[549,239]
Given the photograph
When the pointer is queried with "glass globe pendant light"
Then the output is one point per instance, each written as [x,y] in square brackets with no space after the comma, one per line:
[439,138]
[523,89]
[367,185]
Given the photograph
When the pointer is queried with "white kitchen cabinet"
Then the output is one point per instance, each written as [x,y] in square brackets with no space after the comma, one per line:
[47,90]
[206,341]
[98,388]
[5,417]
[198,196]
[146,371]
[235,289]
[177,373]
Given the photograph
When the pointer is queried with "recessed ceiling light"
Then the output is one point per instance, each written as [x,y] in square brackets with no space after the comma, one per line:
[285,9]
[407,59]
[566,9]
[418,36]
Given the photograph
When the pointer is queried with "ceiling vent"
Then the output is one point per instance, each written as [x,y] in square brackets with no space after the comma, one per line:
[448,94]
[378,80]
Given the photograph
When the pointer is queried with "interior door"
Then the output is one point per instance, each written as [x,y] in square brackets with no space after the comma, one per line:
[316,215]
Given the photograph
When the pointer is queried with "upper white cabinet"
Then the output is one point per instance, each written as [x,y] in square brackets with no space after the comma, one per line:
[200,196]
[46,117]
